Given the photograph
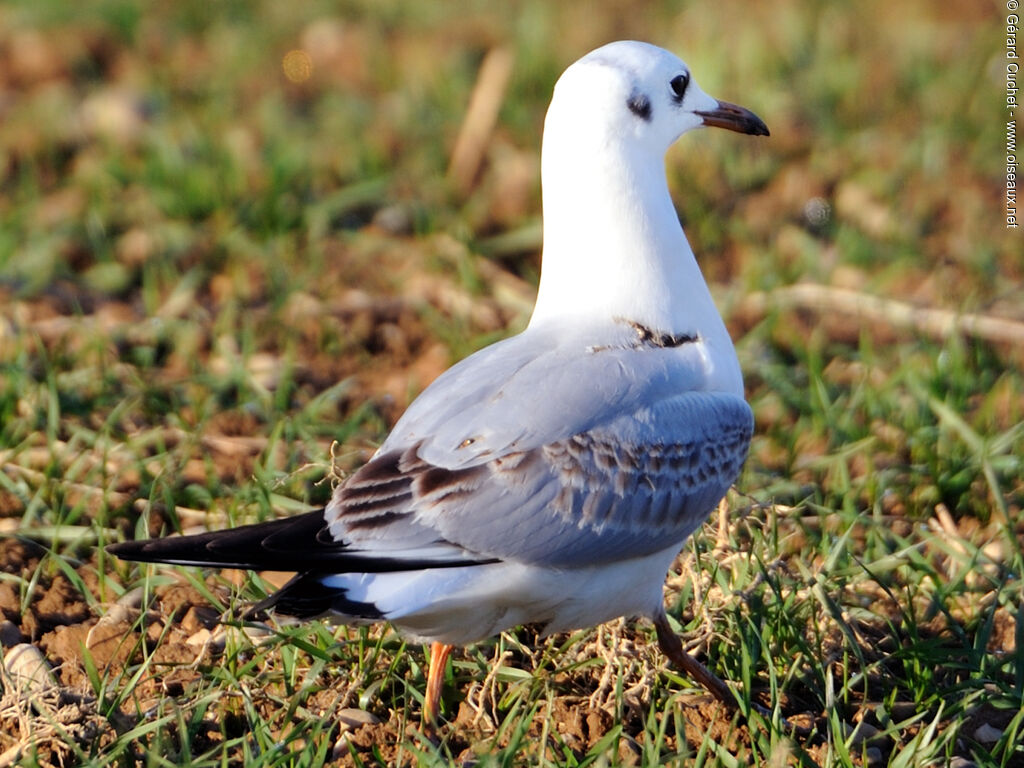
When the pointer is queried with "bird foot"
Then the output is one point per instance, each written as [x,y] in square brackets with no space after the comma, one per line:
[672,647]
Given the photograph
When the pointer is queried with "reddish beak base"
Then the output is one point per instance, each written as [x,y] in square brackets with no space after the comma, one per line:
[733,117]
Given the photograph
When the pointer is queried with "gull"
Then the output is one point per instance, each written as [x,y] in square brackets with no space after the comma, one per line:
[550,478]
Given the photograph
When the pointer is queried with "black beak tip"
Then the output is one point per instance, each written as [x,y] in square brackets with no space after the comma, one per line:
[733,117]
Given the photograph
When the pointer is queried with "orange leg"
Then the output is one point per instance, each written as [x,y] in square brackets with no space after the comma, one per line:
[439,653]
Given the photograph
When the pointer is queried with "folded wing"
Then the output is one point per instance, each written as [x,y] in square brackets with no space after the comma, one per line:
[624,489]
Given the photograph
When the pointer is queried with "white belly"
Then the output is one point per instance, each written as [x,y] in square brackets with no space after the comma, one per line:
[459,606]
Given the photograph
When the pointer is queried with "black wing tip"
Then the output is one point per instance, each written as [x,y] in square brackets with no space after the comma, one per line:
[128,550]
[284,544]
[288,544]
[176,550]
[120,549]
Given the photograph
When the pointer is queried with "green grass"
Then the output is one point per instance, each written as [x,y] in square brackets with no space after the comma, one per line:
[218,289]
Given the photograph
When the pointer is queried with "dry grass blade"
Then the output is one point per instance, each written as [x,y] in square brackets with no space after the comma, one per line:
[480,118]
[934,322]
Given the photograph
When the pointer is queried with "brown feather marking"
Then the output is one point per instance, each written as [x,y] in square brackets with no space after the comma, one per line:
[377,471]
[374,521]
[441,483]
[361,507]
[387,489]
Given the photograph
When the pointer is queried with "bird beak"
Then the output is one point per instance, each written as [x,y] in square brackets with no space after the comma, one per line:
[735,118]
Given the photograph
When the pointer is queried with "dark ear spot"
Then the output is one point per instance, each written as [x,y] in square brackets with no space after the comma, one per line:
[639,105]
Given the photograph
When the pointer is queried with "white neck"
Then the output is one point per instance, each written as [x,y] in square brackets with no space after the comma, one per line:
[613,246]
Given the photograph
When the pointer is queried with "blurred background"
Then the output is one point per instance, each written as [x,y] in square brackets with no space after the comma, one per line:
[139,141]
[233,234]
[234,189]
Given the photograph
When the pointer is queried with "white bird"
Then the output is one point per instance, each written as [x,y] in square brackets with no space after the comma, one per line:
[550,478]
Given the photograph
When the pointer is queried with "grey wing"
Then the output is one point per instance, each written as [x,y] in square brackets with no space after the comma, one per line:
[536,389]
[629,487]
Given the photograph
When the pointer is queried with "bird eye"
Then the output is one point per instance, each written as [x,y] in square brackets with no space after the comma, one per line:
[679,84]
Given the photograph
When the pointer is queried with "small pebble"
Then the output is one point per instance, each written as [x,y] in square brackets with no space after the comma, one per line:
[860,733]
[986,734]
[154,632]
[394,219]
[200,638]
[351,717]
[340,749]
[28,668]
[222,633]
[10,635]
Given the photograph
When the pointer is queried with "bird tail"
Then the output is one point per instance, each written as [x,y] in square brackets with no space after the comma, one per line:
[308,596]
[289,544]
[304,544]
